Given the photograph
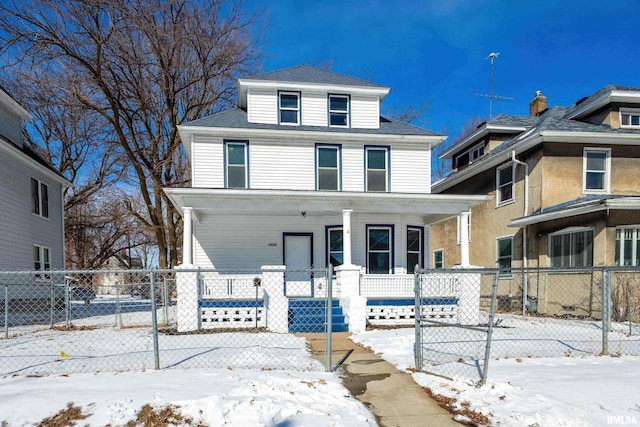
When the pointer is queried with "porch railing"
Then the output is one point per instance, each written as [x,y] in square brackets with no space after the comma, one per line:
[402,285]
[231,286]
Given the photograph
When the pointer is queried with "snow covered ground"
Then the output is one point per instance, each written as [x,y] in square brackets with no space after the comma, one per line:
[523,389]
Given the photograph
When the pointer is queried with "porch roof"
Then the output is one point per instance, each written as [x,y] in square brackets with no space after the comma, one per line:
[581,206]
[433,207]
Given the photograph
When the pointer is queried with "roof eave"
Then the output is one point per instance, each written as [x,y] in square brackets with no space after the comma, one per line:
[615,95]
[483,131]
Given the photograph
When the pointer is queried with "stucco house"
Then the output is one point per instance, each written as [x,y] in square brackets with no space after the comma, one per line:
[305,172]
[563,182]
[31,199]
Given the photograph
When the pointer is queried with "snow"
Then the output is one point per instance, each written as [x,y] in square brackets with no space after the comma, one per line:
[537,385]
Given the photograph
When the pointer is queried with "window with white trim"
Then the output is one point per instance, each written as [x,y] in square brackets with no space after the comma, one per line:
[629,118]
[504,252]
[339,110]
[628,246]
[504,184]
[571,248]
[596,166]
[41,258]
[335,246]
[377,169]
[289,108]
[236,168]
[468,157]
[379,249]
[438,258]
[327,167]
[459,229]
[414,248]
[39,198]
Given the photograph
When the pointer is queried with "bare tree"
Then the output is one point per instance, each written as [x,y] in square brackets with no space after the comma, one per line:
[412,113]
[144,67]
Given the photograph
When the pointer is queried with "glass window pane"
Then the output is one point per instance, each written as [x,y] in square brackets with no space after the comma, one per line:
[44,194]
[235,154]
[376,159]
[288,100]
[376,181]
[327,157]
[335,240]
[635,120]
[438,259]
[288,116]
[596,161]
[378,239]
[413,240]
[338,119]
[379,263]
[412,261]
[236,177]
[336,259]
[595,181]
[626,121]
[505,176]
[35,197]
[338,103]
[327,179]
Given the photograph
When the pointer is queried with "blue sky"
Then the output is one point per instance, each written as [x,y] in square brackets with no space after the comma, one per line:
[436,51]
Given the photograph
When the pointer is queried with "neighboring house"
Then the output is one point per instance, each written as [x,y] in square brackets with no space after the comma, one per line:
[119,281]
[304,172]
[564,184]
[31,199]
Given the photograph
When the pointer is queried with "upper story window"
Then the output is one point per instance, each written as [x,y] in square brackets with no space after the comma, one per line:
[470,155]
[596,165]
[328,167]
[39,198]
[339,110]
[236,164]
[628,246]
[571,248]
[289,108]
[504,185]
[629,118]
[414,248]
[377,169]
[335,246]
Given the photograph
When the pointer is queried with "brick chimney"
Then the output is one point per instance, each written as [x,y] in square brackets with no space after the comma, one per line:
[538,104]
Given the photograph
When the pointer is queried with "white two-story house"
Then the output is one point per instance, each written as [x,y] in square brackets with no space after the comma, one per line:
[305,172]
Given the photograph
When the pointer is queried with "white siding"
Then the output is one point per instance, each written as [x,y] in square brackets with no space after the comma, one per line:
[278,165]
[208,162]
[314,109]
[365,112]
[21,229]
[353,167]
[222,241]
[410,169]
[10,126]
[262,106]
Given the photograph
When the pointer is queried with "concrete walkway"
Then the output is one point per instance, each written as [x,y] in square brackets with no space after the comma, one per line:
[391,395]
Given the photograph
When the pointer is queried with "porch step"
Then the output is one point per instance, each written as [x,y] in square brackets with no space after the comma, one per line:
[308,315]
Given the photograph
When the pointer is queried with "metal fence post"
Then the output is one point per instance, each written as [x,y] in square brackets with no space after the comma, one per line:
[165,301]
[6,311]
[67,305]
[154,321]
[118,309]
[606,310]
[417,314]
[492,312]
[329,273]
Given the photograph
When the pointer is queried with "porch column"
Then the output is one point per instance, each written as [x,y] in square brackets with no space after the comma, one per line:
[464,239]
[346,236]
[187,243]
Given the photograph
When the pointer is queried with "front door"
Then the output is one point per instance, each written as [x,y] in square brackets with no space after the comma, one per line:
[298,259]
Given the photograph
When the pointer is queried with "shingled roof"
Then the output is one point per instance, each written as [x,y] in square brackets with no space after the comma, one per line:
[310,74]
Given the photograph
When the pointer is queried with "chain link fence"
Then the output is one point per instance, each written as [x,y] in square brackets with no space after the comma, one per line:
[526,313]
[122,320]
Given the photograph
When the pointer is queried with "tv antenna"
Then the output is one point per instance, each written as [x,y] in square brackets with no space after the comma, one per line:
[492,56]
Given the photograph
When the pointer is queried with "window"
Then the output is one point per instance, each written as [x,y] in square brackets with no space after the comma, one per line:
[289,108]
[39,198]
[379,249]
[376,164]
[504,185]
[327,167]
[596,163]
[414,248]
[459,229]
[438,258]
[470,155]
[339,110]
[629,118]
[504,249]
[571,248]
[335,248]
[628,246]
[41,258]
[236,155]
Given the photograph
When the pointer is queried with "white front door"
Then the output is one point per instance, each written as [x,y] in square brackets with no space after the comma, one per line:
[298,259]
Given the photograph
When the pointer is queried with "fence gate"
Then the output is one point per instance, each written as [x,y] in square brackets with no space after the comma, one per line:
[453,333]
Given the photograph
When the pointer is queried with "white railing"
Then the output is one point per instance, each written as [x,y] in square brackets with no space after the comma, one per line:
[231,286]
[403,285]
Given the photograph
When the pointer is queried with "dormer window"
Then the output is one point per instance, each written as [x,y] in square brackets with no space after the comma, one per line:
[339,110]
[469,156]
[289,108]
[629,118]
